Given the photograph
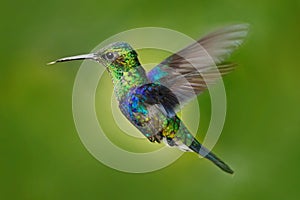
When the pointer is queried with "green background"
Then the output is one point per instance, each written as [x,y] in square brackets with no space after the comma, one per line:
[41,155]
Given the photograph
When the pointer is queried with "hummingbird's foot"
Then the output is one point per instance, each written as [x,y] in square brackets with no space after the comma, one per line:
[151,139]
[155,138]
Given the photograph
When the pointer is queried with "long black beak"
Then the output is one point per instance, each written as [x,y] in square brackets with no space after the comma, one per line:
[79,57]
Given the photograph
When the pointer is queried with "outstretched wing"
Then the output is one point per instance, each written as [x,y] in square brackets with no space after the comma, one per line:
[188,72]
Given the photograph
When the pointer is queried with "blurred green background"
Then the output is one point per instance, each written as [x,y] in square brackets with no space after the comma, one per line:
[42,156]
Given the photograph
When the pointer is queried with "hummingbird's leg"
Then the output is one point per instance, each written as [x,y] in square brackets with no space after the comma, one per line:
[151,138]
[155,138]
[158,137]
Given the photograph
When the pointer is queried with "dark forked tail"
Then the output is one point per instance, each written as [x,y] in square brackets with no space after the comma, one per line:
[198,148]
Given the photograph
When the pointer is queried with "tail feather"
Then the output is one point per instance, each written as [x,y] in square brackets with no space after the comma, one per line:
[198,148]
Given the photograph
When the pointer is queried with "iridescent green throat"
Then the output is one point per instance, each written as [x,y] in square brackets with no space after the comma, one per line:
[126,74]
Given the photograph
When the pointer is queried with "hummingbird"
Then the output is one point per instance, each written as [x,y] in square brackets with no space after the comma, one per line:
[151,101]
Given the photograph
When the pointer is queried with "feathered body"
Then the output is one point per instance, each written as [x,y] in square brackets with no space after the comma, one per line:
[151,100]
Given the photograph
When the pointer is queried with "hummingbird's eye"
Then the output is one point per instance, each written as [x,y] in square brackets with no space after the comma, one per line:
[109,55]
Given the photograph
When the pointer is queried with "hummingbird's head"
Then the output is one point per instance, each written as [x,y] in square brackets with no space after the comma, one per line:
[118,57]
[122,63]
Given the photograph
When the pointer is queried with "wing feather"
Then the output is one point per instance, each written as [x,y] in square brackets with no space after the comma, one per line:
[188,72]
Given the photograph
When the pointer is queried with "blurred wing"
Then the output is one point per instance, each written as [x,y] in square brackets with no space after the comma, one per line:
[188,72]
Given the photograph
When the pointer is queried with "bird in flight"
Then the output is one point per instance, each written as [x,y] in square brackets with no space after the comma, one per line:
[151,100]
